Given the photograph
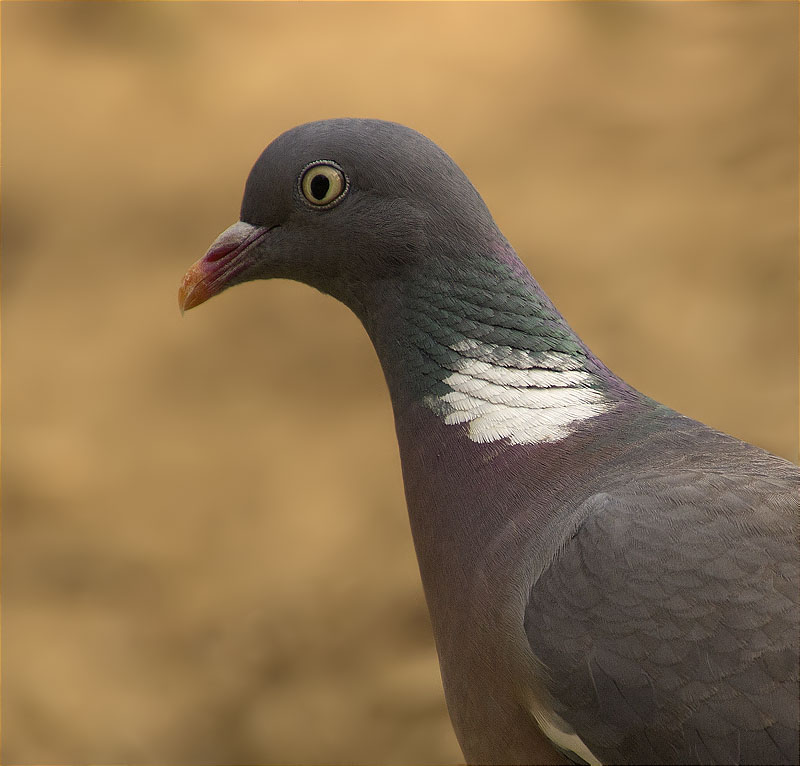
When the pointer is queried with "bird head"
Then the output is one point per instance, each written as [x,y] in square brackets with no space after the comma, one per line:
[340,205]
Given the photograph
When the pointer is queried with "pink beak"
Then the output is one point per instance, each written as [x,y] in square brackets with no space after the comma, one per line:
[224,260]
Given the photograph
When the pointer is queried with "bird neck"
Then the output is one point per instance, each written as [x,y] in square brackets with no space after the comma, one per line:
[490,388]
[480,345]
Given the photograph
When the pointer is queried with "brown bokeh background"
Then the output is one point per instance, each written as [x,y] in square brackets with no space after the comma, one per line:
[206,557]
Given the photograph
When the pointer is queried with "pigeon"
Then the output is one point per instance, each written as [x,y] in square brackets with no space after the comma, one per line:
[608,581]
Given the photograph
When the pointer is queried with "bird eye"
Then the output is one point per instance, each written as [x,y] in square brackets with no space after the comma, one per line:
[323,183]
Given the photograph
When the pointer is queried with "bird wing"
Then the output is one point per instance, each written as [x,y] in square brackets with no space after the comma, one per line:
[667,624]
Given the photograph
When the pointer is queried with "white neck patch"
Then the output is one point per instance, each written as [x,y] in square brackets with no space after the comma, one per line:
[524,396]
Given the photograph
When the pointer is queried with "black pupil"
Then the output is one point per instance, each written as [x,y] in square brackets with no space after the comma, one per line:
[319,186]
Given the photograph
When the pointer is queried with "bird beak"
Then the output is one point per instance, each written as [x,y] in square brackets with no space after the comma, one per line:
[219,268]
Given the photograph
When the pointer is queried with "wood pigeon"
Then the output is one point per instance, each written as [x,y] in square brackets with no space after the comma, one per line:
[608,580]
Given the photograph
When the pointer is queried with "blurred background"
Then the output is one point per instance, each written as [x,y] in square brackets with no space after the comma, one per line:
[206,554]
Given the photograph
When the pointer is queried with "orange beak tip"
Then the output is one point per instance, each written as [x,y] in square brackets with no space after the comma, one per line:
[193,290]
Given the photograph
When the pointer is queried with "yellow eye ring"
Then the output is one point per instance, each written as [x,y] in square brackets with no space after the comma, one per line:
[323,183]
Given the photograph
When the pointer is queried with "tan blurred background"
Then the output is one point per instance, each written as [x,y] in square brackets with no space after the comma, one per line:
[206,554]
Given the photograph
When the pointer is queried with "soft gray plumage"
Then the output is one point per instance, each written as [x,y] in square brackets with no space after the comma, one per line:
[606,578]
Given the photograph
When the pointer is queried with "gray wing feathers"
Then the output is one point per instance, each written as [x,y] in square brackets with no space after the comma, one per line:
[668,621]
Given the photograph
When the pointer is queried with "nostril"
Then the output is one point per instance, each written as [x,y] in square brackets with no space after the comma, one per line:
[220,251]
[235,240]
